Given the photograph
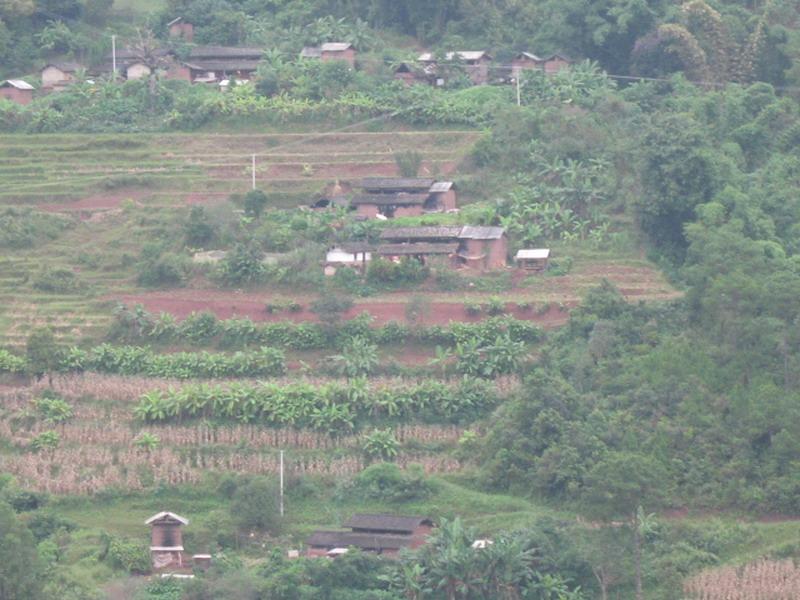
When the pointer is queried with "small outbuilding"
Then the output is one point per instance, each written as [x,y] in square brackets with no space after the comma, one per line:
[58,75]
[17,91]
[166,540]
[533,259]
[476,63]
[331,51]
[483,247]
[179,28]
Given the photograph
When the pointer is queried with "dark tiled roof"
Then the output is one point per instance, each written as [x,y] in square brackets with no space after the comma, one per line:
[223,52]
[234,64]
[365,541]
[420,233]
[387,199]
[396,523]
[66,67]
[418,248]
[397,183]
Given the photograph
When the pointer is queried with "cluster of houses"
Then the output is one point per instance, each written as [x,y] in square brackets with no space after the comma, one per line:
[220,65]
[482,248]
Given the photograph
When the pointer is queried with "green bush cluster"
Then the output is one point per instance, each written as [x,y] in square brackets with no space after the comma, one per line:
[204,327]
[10,363]
[137,360]
[333,407]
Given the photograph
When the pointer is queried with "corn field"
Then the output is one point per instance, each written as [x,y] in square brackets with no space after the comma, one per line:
[761,580]
[121,434]
[89,469]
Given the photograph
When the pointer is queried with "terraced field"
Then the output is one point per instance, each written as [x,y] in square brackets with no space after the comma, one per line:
[166,169]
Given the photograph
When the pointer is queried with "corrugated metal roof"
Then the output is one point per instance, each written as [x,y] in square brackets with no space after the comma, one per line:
[441,186]
[335,46]
[389,199]
[472,232]
[17,83]
[397,184]
[461,54]
[166,516]
[420,233]
[417,248]
[530,55]
[532,253]
[383,522]
[366,541]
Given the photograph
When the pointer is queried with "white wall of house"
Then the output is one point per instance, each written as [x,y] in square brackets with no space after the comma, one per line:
[137,71]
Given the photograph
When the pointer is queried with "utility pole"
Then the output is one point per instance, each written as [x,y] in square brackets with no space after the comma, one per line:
[281,484]
[254,185]
[114,56]
[519,97]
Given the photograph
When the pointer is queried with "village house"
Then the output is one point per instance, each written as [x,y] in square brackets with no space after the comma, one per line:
[532,259]
[526,60]
[56,76]
[17,91]
[178,28]
[476,247]
[403,196]
[331,51]
[476,63]
[381,534]
[410,73]
[213,64]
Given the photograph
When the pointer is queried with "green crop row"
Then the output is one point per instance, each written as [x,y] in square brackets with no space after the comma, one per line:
[136,360]
[334,407]
[204,327]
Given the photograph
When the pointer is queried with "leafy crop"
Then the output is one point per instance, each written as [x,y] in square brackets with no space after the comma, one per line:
[136,360]
[334,408]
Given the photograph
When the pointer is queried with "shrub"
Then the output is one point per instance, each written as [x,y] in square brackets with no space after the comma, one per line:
[473,308]
[10,363]
[47,440]
[243,265]
[389,483]
[557,267]
[330,307]
[255,505]
[254,203]
[53,408]
[199,327]
[130,555]
[359,358]
[408,162]
[198,230]
[166,269]
[56,281]
[404,272]
[495,306]
[45,524]
[24,228]
[380,445]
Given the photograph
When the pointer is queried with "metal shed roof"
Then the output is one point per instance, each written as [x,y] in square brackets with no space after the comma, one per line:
[166,516]
[441,186]
[17,83]
[471,232]
[532,253]
[335,46]
[461,54]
